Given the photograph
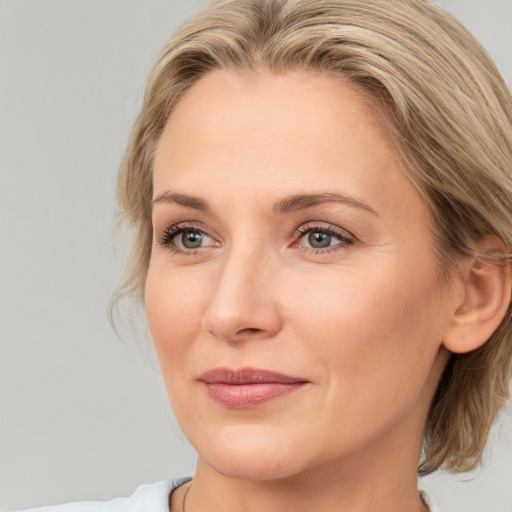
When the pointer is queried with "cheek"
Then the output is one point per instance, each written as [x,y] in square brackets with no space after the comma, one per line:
[374,326]
[174,310]
[375,341]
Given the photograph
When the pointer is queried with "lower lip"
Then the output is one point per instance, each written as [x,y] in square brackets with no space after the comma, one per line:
[245,396]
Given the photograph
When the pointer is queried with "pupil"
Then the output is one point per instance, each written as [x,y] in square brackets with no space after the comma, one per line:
[319,240]
[192,239]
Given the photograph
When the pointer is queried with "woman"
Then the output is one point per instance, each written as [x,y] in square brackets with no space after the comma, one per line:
[322,196]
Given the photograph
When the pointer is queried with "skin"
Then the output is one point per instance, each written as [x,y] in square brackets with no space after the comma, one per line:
[361,320]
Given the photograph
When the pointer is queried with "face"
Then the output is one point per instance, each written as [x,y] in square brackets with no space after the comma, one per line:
[292,293]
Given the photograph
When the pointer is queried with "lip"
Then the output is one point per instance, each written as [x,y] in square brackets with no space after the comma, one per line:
[248,387]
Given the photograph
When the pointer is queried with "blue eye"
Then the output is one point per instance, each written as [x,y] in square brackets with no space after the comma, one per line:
[185,239]
[190,239]
[319,239]
[323,239]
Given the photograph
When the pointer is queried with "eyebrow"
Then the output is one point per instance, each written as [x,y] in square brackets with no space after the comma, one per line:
[182,199]
[303,201]
[287,204]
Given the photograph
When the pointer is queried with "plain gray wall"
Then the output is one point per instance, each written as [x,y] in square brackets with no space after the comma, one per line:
[83,415]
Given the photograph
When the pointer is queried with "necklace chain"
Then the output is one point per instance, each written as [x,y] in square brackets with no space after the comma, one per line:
[185,497]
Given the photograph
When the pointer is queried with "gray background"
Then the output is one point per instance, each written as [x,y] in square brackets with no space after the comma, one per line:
[84,415]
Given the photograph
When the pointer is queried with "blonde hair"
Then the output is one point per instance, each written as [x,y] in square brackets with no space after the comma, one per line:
[450,113]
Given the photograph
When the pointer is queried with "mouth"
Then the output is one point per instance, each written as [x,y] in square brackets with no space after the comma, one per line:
[248,387]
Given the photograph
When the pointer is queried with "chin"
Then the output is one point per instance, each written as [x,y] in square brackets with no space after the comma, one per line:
[252,453]
[254,467]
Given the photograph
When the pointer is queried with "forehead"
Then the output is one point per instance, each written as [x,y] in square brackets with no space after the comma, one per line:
[298,95]
[302,111]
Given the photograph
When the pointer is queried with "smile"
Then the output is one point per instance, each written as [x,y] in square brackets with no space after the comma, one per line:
[248,387]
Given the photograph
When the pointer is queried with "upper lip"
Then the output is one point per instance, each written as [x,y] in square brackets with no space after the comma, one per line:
[247,376]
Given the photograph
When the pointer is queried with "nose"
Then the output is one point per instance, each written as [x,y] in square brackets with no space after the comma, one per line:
[244,302]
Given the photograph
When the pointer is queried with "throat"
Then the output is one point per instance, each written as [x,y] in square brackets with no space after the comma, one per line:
[218,493]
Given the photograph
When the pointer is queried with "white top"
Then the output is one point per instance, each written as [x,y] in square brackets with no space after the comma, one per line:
[147,498]
[429,502]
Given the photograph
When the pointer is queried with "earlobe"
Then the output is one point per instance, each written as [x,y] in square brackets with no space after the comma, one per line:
[487,296]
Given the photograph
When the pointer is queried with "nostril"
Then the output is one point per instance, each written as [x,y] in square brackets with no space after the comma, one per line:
[249,330]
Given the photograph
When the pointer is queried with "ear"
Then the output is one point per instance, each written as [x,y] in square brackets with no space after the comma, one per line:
[486,298]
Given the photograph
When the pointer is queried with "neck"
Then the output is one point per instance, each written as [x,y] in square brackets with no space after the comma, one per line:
[368,486]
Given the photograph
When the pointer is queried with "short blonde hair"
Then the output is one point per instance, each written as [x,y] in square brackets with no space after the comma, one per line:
[450,114]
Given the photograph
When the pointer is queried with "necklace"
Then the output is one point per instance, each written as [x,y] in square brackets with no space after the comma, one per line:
[185,497]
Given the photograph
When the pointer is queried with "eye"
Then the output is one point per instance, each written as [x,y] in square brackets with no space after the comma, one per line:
[320,238]
[186,239]
[191,239]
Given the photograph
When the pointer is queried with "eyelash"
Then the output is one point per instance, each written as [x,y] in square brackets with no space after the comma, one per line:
[345,238]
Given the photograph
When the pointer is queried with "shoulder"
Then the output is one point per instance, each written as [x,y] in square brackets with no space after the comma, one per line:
[154,497]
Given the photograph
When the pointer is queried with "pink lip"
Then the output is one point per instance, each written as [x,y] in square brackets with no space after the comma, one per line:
[248,387]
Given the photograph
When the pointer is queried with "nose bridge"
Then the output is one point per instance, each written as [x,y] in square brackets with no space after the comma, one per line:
[243,304]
